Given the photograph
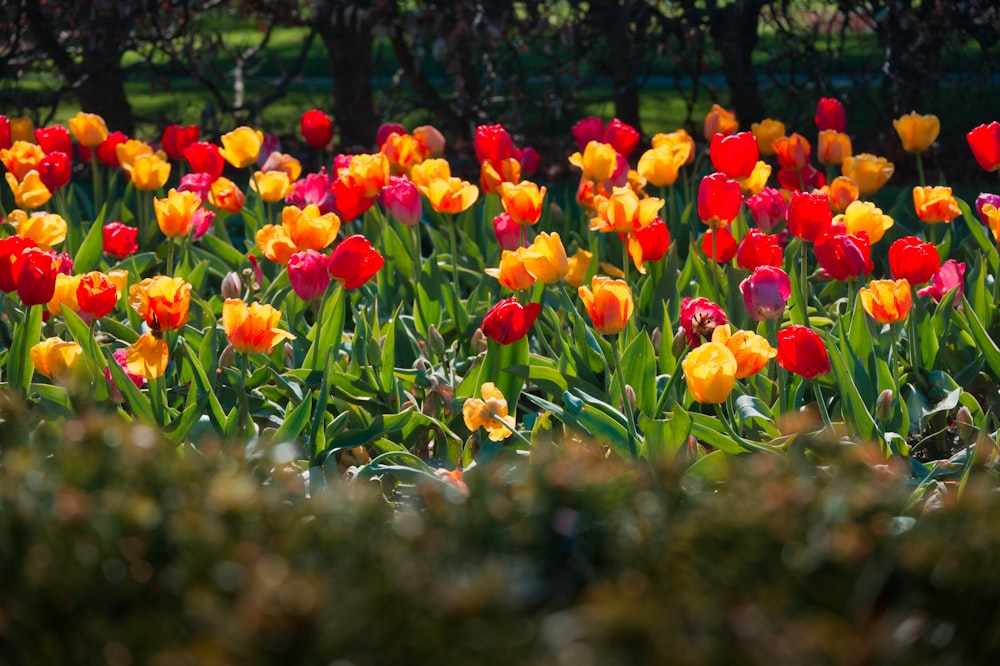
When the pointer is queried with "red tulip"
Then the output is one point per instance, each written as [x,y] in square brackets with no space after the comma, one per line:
[735,155]
[309,275]
[758,249]
[205,157]
[493,143]
[107,150]
[54,139]
[842,255]
[11,248]
[354,261]
[119,240]
[5,137]
[654,239]
[768,208]
[622,137]
[801,350]
[316,128]
[699,318]
[349,199]
[176,139]
[806,179]
[719,200]
[96,295]
[508,321]
[913,260]
[587,130]
[55,170]
[35,273]
[809,216]
[402,199]
[385,130]
[830,115]
[984,141]
[724,245]
[528,158]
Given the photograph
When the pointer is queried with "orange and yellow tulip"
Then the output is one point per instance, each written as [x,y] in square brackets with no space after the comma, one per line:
[252,329]
[450,195]
[147,357]
[865,216]
[89,129]
[680,140]
[546,258]
[578,265]
[766,131]
[175,212]
[512,272]
[935,204]
[21,157]
[522,201]
[869,171]
[598,161]
[46,229]
[751,351]
[609,304]
[161,301]
[832,147]
[887,301]
[56,358]
[148,171]
[241,146]
[273,186]
[30,192]
[624,211]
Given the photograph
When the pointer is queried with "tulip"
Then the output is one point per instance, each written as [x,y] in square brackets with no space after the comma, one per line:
[493,142]
[984,140]
[768,208]
[21,158]
[314,188]
[96,294]
[508,231]
[579,264]
[719,200]
[354,261]
[529,159]
[649,243]
[508,321]
[282,163]
[451,195]
[598,161]
[54,139]
[201,221]
[710,372]
[864,216]
[699,318]
[917,132]
[162,302]
[766,132]
[801,350]
[805,179]
[914,260]
[147,357]
[242,146]
[843,192]
[22,128]
[624,211]
[493,174]
[385,129]
[252,329]
[35,272]
[719,121]
[55,170]
[842,255]
[512,272]
[10,249]
[308,275]
[935,204]
[792,152]
[46,229]
[809,216]
[523,201]
[175,212]
[661,166]
[489,413]
[587,130]
[887,301]
[751,351]
[950,276]
[830,115]
[832,147]
[680,141]
[64,295]
[316,128]
[55,358]
[272,186]
[120,356]
[766,292]
[148,172]
[402,151]
[719,245]
[88,128]
[431,140]
[127,151]
[758,249]
[757,179]
[107,151]
[176,139]
[31,192]
[734,155]
[429,170]
[5,137]
[986,199]
[609,304]
[546,259]
[224,195]
[402,199]
[204,157]
[869,171]
[119,240]
[622,137]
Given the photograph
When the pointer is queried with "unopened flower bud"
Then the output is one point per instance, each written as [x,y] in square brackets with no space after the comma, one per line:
[883,406]
[420,365]
[478,341]
[374,353]
[232,285]
[435,341]
[679,342]
[257,272]
[630,396]
[289,355]
[965,423]
[556,212]
[226,357]
[656,337]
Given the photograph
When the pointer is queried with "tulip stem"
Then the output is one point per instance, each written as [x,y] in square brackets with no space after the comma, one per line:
[894,335]
[915,360]
[318,328]
[821,403]
[662,401]
[454,250]
[746,444]
[170,256]
[920,169]
[629,418]
[241,361]
[418,260]
[157,398]
[804,279]
[715,267]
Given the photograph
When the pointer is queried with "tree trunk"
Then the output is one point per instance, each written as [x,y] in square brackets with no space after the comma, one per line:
[734,31]
[612,22]
[101,90]
[348,41]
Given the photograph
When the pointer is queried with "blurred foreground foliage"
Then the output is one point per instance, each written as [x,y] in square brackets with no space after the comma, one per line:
[117,547]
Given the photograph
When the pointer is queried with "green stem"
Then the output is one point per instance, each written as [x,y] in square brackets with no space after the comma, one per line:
[244,417]
[821,403]
[158,399]
[418,260]
[633,437]
[746,444]
[920,170]
[894,334]
[170,256]
[625,257]
[804,279]
[454,250]
[661,403]
[318,328]
[717,290]
[915,360]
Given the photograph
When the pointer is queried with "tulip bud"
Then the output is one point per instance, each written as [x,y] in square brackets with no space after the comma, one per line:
[289,355]
[692,446]
[435,341]
[656,337]
[420,365]
[257,272]
[374,353]
[679,342]
[965,423]
[478,341]
[630,396]
[231,285]
[226,357]
[883,406]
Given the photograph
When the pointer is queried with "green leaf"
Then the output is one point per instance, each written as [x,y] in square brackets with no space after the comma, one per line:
[664,438]
[134,399]
[601,421]
[713,467]
[178,429]
[988,349]
[709,430]
[330,323]
[986,244]
[379,427]
[853,404]
[294,422]
[639,369]
[26,334]
[215,411]
[89,254]
[223,250]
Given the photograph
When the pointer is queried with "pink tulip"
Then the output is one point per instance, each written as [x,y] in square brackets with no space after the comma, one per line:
[766,292]
[312,189]
[508,231]
[307,271]
[950,276]
[402,199]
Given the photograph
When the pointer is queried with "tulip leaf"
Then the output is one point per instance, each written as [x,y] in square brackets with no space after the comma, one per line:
[26,334]
[387,373]
[710,430]
[599,420]
[986,244]
[639,369]
[293,423]
[428,307]
[549,380]
[178,429]
[89,254]
[215,411]
[134,399]
[853,404]
[753,410]
[329,327]
[379,426]
[221,249]
[664,438]
[713,467]
[987,347]
[94,358]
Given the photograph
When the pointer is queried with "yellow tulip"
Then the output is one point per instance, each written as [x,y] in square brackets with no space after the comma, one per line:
[430,170]
[489,413]
[64,295]
[308,229]
[88,128]
[273,186]
[757,180]
[148,171]
[869,171]
[127,151]
[55,358]
[21,157]
[864,216]
[598,161]
[661,166]
[46,229]
[175,212]
[609,304]
[241,146]
[917,132]
[30,192]
[710,372]
[680,140]
[578,264]
[766,131]
[887,301]
[522,201]
[147,357]
[450,195]
[546,258]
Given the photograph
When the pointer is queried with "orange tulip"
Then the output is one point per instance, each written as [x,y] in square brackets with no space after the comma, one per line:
[224,195]
[162,302]
[22,128]
[832,147]
[887,301]
[609,304]
[869,171]
[494,173]
[546,258]
[522,201]
[450,195]
[88,128]
[766,132]
[490,413]
[721,121]
[917,132]
[578,265]
[512,273]
[368,174]
[792,151]
[147,357]
[935,204]
[624,211]
[252,329]
[751,351]
[175,212]
[403,151]
[46,229]
[56,358]
[842,191]
[21,158]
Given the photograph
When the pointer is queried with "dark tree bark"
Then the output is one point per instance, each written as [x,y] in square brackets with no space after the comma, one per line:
[613,23]
[733,28]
